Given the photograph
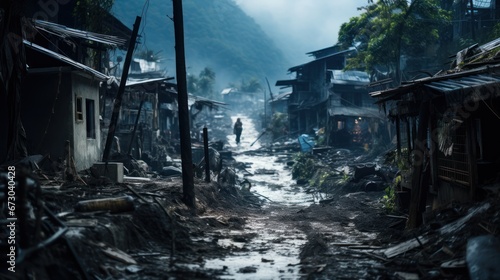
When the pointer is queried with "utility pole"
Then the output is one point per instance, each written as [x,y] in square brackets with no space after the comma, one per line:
[182,99]
[121,90]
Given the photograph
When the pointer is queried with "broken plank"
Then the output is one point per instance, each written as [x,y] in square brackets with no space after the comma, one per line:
[119,255]
[405,246]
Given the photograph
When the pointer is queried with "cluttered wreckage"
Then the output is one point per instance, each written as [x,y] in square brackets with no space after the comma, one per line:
[57,138]
[462,164]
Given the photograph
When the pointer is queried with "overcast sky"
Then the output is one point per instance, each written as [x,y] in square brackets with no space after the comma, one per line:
[301,26]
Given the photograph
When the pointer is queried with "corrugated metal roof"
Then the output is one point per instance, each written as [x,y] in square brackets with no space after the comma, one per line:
[463,83]
[67,60]
[366,112]
[64,32]
[357,76]
[146,81]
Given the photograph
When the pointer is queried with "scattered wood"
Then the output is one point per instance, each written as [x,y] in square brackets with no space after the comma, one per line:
[346,244]
[406,246]
[419,241]
[365,247]
[119,255]
[397,217]
[262,196]
[375,256]
[320,267]
[406,276]
[145,254]
[141,179]
[136,193]
[82,223]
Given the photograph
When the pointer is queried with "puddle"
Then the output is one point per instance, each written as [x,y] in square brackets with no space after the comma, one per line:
[271,254]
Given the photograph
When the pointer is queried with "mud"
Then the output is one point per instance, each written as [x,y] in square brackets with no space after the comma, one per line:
[264,226]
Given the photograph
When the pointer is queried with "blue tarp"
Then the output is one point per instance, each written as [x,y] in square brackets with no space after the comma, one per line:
[306,143]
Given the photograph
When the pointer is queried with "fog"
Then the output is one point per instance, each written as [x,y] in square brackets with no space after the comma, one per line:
[307,25]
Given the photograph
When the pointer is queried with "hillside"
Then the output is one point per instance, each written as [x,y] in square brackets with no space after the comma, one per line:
[218,34]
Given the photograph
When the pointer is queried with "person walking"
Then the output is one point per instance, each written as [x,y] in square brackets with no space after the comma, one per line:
[238,128]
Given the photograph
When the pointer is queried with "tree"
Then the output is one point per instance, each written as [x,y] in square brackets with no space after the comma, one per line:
[389,29]
[89,15]
[206,83]
[203,84]
[252,85]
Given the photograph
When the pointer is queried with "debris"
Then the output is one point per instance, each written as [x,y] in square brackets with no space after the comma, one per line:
[422,240]
[114,204]
[170,171]
[406,276]
[134,268]
[118,255]
[82,223]
[453,264]
[405,246]
[136,193]
[247,269]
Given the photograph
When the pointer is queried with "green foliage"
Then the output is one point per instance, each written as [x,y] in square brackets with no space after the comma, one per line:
[279,125]
[303,168]
[89,14]
[389,199]
[401,162]
[320,180]
[203,84]
[389,29]
[218,35]
[252,85]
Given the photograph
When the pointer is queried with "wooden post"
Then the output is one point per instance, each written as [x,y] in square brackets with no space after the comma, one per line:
[121,90]
[408,140]
[207,156]
[418,191]
[470,144]
[135,124]
[182,99]
[398,137]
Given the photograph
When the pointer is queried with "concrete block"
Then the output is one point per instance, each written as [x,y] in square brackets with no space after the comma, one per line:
[114,170]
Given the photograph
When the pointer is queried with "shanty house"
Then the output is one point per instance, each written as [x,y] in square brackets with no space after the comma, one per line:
[61,103]
[446,130]
[353,117]
[308,102]
[325,96]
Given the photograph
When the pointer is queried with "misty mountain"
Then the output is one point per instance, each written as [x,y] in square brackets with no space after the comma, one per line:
[218,34]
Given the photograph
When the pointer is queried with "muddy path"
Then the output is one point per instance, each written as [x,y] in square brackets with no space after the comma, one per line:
[294,236]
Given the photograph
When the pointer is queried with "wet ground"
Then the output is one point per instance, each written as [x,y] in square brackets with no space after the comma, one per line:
[288,237]
[276,229]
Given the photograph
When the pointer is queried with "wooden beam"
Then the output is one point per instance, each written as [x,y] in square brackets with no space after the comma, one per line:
[182,96]
[121,90]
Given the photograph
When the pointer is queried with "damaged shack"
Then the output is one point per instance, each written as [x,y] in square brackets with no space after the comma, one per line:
[446,138]
[324,97]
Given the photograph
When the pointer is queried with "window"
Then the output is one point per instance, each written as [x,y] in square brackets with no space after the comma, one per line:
[79,109]
[90,118]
